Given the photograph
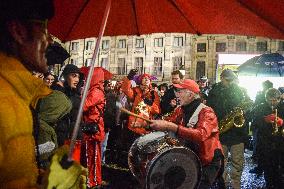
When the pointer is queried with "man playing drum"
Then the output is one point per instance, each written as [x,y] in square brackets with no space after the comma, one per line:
[197,125]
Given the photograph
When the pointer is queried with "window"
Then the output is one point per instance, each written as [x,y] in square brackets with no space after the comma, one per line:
[121,69]
[74,61]
[201,47]
[122,43]
[89,45]
[220,47]
[241,46]
[105,44]
[177,62]
[178,42]
[281,46]
[158,42]
[88,62]
[200,69]
[261,46]
[139,43]
[104,63]
[138,64]
[74,46]
[158,66]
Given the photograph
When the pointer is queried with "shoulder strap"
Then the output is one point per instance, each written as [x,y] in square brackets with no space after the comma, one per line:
[194,118]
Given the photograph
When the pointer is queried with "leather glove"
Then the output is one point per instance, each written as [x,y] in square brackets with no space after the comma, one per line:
[60,178]
[132,73]
[271,118]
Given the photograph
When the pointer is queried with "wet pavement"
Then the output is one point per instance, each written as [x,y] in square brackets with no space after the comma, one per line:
[119,177]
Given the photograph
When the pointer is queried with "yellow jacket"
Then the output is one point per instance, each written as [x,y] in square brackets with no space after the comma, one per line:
[18,90]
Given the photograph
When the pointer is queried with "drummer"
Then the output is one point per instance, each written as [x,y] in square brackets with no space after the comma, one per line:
[197,125]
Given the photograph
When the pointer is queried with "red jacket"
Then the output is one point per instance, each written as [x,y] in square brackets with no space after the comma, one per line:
[95,102]
[205,133]
[136,95]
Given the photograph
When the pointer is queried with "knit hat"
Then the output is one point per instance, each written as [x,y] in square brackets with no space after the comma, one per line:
[70,68]
[228,74]
[188,84]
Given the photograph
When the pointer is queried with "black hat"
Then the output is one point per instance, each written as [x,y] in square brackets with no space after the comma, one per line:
[26,9]
[203,78]
[56,54]
[70,68]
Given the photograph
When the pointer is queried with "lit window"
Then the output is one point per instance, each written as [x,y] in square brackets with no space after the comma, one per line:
[261,46]
[89,45]
[177,63]
[121,69]
[104,63]
[178,42]
[220,47]
[281,46]
[74,46]
[158,66]
[74,61]
[88,62]
[201,47]
[158,42]
[105,44]
[138,64]
[122,43]
[139,43]
[241,46]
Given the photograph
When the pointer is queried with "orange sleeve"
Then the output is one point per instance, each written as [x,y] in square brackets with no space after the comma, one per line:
[155,108]
[127,89]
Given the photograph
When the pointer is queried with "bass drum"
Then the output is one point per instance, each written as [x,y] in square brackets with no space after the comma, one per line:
[157,163]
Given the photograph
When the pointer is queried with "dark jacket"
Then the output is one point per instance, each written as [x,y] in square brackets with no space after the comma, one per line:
[51,109]
[223,100]
[166,99]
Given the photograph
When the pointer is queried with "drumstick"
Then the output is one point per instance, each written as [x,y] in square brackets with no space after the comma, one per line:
[118,104]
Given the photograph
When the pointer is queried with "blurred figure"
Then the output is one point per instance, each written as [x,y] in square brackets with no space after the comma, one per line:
[49,78]
[270,143]
[169,99]
[224,97]
[163,89]
[259,99]
[93,129]
[146,101]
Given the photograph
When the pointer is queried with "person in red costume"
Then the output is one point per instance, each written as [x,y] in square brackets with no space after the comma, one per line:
[93,129]
[197,125]
[146,101]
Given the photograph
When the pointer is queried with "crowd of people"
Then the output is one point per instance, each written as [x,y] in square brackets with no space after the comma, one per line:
[39,110]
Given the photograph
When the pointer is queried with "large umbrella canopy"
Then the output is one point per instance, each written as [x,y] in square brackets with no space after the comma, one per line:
[77,19]
[264,65]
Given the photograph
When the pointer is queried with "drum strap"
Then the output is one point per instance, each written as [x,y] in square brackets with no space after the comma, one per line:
[194,118]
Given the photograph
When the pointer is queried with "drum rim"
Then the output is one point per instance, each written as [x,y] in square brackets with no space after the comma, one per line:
[150,167]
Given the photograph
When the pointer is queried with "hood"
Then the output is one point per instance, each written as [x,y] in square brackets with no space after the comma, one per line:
[54,106]
[100,74]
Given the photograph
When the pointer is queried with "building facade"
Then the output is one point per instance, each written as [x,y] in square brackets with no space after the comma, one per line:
[161,53]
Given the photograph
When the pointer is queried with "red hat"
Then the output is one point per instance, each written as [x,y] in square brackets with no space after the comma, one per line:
[188,84]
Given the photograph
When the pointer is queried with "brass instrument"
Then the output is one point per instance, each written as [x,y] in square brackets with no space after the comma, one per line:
[235,118]
[274,124]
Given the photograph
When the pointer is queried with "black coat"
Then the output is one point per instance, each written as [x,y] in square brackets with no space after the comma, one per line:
[166,99]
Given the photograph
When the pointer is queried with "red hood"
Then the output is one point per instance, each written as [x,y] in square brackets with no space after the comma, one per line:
[100,74]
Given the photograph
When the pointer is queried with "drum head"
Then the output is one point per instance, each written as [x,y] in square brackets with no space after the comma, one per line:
[173,168]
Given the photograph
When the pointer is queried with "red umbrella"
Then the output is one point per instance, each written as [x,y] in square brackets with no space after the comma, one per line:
[77,19]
